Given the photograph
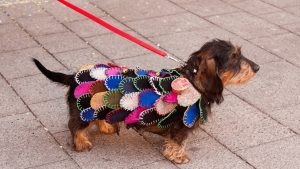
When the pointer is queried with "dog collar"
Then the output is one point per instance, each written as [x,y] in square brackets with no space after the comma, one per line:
[137,96]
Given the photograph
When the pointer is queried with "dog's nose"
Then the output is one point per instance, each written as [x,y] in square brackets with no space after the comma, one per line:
[255,68]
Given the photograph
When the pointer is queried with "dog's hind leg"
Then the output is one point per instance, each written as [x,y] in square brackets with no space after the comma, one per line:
[107,128]
[79,129]
[174,147]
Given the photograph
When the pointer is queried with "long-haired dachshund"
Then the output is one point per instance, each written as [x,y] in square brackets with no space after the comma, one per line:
[217,64]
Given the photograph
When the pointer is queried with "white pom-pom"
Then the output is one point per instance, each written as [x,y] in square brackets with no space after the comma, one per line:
[130,101]
[98,73]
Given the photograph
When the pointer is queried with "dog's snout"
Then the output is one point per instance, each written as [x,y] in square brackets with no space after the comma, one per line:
[255,68]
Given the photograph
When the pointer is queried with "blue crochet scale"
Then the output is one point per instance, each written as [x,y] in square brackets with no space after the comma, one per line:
[134,96]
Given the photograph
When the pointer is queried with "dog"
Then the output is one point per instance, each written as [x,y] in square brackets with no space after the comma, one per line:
[217,64]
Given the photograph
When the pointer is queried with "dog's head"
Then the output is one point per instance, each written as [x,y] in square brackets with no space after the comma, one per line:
[218,63]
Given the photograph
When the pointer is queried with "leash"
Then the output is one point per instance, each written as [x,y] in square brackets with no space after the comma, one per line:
[119,32]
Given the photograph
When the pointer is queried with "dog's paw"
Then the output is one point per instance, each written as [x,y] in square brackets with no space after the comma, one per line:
[175,153]
[83,145]
[106,128]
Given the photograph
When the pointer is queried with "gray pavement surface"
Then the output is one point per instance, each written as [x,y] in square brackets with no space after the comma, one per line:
[257,126]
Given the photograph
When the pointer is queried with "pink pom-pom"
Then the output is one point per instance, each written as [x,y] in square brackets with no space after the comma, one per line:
[113,71]
[134,116]
[82,89]
[170,98]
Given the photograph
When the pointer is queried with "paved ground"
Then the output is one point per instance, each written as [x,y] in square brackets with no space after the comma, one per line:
[257,126]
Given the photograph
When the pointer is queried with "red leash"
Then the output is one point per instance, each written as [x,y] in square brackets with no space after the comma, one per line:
[115,30]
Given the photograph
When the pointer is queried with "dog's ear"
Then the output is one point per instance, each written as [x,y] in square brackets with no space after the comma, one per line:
[209,80]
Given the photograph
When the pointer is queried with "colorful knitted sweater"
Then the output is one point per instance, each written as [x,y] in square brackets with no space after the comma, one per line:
[134,96]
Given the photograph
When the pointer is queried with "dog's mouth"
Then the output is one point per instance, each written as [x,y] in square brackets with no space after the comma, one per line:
[246,73]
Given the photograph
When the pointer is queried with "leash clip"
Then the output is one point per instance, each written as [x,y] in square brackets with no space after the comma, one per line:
[175,59]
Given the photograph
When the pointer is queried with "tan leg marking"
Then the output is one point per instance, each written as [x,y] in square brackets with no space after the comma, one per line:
[81,139]
[106,128]
[175,152]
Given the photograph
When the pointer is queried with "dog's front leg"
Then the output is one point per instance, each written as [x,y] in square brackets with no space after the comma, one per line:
[174,147]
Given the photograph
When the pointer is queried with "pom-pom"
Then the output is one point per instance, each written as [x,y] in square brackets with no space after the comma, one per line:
[149,117]
[188,97]
[169,119]
[163,107]
[154,82]
[97,86]
[83,76]
[142,83]
[130,101]
[112,99]
[134,116]
[126,86]
[147,98]
[117,115]
[98,73]
[82,89]
[97,100]
[141,72]
[180,84]
[170,98]
[83,102]
[102,112]
[165,84]
[88,114]
[112,82]
[113,71]
[191,115]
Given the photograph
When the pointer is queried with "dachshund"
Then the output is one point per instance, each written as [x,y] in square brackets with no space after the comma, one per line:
[217,64]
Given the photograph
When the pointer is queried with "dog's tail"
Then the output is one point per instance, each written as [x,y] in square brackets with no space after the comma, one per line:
[54,76]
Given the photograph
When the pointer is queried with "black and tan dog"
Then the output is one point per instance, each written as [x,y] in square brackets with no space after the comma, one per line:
[218,63]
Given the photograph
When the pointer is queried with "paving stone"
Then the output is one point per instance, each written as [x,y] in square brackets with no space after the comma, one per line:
[184,43]
[278,45]
[18,63]
[88,28]
[117,47]
[61,42]
[24,9]
[275,86]
[149,61]
[37,88]
[255,7]
[26,143]
[181,44]
[65,14]
[246,25]
[209,8]
[281,18]
[294,27]
[207,153]
[158,164]
[7,106]
[112,151]
[285,3]
[139,9]
[65,164]
[4,18]
[294,10]
[53,114]
[289,116]
[168,24]
[183,1]
[238,125]
[41,25]
[77,58]
[13,38]
[281,154]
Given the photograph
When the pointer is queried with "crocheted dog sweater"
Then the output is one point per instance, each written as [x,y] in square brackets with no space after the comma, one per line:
[146,97]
